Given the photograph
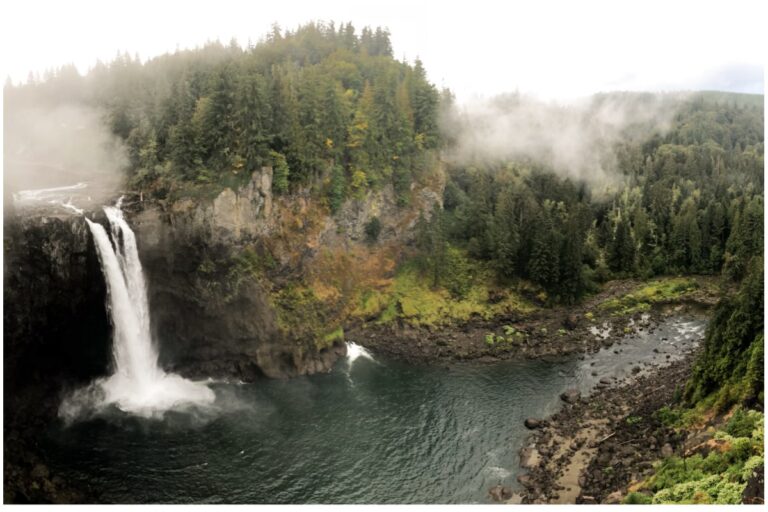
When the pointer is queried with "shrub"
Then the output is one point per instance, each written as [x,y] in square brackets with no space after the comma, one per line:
[669,417]
[457,273]
[373,229]
[742,423]
[638,498]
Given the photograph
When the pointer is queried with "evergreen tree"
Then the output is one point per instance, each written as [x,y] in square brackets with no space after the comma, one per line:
[621,251]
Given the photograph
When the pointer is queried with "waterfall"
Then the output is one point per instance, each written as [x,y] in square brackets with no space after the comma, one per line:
[355,351]
[138,385]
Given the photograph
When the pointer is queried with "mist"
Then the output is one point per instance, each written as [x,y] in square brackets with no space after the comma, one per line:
[576,140]
[49,144]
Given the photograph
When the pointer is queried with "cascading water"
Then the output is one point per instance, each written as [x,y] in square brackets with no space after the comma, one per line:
[139,385]
[355,351]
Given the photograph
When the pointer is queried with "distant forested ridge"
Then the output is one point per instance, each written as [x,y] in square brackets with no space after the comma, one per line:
[327,107]
[688,200]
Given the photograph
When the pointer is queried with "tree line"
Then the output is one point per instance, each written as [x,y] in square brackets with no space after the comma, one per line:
[690,202]
[326,107]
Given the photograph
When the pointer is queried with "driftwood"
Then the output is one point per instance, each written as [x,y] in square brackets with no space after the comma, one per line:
[605,438]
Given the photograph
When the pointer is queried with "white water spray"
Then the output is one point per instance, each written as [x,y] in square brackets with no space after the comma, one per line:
[139,385]
[355,351]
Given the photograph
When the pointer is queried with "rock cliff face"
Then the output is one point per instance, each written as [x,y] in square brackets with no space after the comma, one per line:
[56,328]
[240,286]
[230,280]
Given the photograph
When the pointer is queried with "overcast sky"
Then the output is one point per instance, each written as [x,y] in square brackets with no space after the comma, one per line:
[554,50]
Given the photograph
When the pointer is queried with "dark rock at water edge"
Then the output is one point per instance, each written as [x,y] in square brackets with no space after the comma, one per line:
[570,396]
[500,493]
[533,423]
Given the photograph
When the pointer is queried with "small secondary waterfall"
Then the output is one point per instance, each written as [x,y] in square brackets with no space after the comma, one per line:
[355,351]
[138,385]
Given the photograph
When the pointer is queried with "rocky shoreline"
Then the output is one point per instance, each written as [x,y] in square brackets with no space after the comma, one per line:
[595,448]
[598,449]
[548,332]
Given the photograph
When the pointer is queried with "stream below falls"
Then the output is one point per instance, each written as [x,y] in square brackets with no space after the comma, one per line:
[371,431]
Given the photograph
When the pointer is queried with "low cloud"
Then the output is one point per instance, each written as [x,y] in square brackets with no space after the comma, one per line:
[576,140]
[49,145]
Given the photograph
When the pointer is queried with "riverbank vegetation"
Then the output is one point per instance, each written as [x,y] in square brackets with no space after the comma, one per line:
[717,473]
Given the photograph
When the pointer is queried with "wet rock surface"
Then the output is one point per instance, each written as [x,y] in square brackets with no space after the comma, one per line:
[594,449]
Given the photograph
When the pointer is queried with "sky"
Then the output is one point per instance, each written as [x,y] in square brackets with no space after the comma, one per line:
[548,49]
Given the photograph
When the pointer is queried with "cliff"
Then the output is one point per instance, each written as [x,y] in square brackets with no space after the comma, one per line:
[241,285]
[250,285]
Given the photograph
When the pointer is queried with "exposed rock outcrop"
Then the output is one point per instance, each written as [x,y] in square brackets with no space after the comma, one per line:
[237,283]
[56,337]
[55,324]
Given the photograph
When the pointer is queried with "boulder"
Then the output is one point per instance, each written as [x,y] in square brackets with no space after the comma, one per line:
[570,396]
[529,457]
[533,423]
[40,471]
[500,493]
[571,322]
[525,481]
[614,498]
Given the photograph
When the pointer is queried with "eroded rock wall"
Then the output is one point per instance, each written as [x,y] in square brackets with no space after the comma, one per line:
[235,282]
[55,324]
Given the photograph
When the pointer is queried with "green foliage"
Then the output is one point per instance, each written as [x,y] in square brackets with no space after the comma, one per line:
[743,423]
[712,489]
[692,202]
[458,274]
[638,498]
[329,339]
[280,173]
[337,190]
[302,101]
[372,229]
[412,299]
[731,362]
[669,417]
[222,275]
[302,316]
[721,476]
[621,250]
[641,298]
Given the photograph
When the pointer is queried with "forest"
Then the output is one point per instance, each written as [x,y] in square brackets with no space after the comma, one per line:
[334,113]
[336,116]
[325,107]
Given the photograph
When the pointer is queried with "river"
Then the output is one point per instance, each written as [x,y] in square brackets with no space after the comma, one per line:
[370,431]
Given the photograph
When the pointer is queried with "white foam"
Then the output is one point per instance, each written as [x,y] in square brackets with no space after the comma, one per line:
[355,351]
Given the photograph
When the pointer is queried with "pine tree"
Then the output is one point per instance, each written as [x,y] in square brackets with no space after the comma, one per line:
[544,264]
[621,251]
[280,172]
